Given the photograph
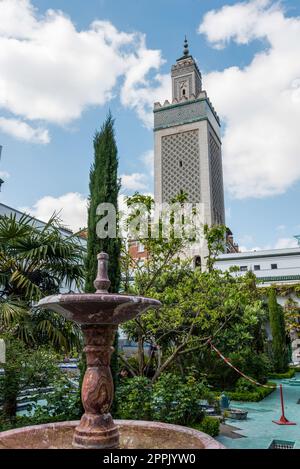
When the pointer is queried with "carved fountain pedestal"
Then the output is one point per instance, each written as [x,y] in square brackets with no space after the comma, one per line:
[99,315]
[97,428]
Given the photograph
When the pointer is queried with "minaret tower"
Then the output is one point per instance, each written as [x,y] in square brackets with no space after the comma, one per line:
[187,143]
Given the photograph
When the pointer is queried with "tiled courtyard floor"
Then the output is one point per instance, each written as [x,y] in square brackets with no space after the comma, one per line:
[259,428]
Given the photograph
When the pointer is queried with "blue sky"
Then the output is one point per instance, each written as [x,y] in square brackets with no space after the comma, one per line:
[50,157]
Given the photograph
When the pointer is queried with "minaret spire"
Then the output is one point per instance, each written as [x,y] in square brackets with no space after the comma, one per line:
[186,51]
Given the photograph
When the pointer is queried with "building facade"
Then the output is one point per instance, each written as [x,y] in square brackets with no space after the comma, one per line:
[187,144]
[280,266]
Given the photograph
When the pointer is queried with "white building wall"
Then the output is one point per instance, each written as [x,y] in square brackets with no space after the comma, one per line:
[286,260]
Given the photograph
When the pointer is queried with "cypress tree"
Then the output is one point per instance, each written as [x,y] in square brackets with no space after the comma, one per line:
[277,323]
[104,188]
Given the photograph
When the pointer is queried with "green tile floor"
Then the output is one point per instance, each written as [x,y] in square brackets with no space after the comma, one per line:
[259,428]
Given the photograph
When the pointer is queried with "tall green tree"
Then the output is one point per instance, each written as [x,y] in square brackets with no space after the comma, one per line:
[35,263]
[277,323]
[104,188]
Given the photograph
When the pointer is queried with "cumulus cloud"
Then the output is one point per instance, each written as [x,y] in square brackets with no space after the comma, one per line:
[51,71]
[22,131]
[4,174]
[259,103]
[147,159]
[280,243]
[134,181]
[71,209]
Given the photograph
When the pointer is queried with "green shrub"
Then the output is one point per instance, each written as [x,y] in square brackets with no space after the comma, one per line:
[244,385]
[209,425]
[134,399]
[280,354]
[252,396]
[287,375]
[23,368]
[170,399]
[176,401]
[221,376]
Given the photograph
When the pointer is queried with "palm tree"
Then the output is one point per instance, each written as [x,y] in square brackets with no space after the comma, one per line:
[34,263]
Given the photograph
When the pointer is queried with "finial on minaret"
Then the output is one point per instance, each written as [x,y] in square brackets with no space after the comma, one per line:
[185,47]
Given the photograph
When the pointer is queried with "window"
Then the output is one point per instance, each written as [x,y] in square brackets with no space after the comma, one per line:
[180,163]
[243,268]
[183,92]
[141,247]
[197,261]
[257,267]
[273,266]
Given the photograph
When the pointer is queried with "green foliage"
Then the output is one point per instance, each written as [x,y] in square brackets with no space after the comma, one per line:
[134,399]
[35,263]
[62,402]
[62,405]
[170,399]
[23,368]
[176,401]
[221,376]
[215,239]
[209,425]
[104,188]
[287,375]
[203,305]
[277,323]
[252,396]
[243,385]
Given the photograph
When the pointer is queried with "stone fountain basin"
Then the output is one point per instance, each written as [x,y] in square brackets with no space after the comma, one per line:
[98,308]
[134,434]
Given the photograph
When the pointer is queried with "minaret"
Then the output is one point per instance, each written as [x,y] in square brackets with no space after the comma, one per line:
[187,143]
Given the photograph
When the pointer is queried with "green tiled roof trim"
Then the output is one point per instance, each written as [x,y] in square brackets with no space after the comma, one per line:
[283,278]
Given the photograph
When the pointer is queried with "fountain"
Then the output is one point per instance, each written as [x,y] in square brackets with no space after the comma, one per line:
[99,315]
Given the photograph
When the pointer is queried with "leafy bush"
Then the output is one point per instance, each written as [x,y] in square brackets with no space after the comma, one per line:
[170,399]
[252,396]
[287,375]
[63,403]
[176,401]
[24,368]
[221,376]
[134,399]
[208,425]
[243,385]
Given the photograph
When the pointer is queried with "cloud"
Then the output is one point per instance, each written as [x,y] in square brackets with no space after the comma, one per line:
[71,208]
[22,131]
[147,159]
[52,72]
[134,181]
[259,103]
[140,95]
[280,243]
[140,181]
[4,174]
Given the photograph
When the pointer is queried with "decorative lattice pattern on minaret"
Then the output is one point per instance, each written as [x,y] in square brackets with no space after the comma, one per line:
[216,174]
[180,166]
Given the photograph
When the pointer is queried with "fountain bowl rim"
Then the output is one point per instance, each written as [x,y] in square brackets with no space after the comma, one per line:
[206,440]
[61,298]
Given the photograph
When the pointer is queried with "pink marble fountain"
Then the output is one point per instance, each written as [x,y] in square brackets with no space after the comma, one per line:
[99,315]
